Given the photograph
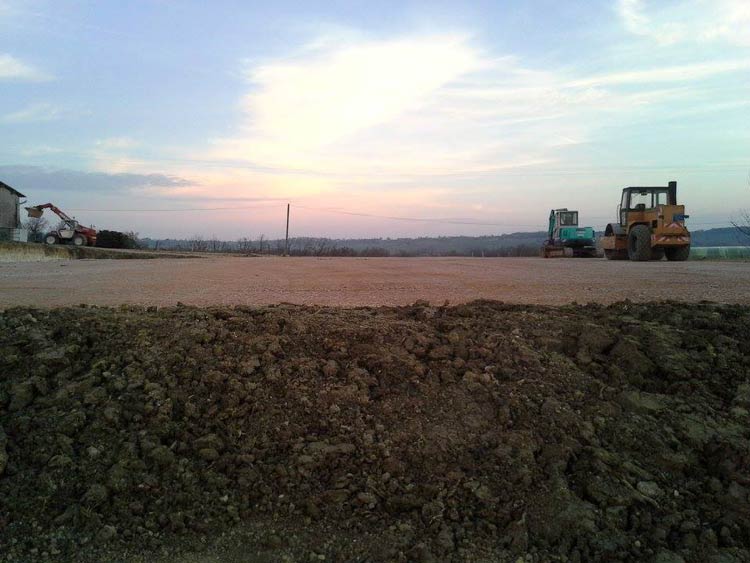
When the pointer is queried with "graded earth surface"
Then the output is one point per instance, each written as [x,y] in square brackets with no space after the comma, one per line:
[352,282]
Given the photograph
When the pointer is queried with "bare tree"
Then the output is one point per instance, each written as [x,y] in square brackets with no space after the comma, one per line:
[198,244]
[134,241]
[324,247]
[244,244]
[216,245]
[260,243]
[307,248]
[743,223]
[36,226]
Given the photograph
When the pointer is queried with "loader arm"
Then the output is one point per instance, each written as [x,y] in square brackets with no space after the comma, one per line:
[59,212]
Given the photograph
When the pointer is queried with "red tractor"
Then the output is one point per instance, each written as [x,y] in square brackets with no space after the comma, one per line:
[70,232]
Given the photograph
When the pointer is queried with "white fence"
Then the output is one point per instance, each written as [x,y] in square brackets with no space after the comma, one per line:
[720,253]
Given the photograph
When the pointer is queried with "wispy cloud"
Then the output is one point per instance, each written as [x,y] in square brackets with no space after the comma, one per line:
[12,68]
[671,74]
[726,21]
[30,178]
[40,150]
[637,21]
[34,113]
[115,154]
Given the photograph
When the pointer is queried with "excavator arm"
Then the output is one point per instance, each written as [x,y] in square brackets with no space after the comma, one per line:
[551,227]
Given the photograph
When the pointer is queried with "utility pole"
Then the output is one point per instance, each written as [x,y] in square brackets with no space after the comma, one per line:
[286,244]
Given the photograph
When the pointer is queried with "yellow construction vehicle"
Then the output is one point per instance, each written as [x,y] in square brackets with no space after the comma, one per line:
[650,226]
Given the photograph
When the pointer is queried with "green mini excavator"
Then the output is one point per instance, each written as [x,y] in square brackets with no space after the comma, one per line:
[566,238]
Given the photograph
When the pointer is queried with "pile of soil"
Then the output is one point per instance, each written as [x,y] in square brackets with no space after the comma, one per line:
[482,431]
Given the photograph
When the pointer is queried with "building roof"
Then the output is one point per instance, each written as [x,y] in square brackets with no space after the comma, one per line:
[7,187]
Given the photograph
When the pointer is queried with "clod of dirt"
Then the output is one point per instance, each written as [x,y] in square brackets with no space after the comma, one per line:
[478,432]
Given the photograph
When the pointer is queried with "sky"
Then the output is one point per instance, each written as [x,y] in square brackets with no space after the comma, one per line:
[372,119]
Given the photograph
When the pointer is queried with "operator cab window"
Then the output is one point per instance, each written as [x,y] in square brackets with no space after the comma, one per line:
[648,199]
[569,219]
[661,197]
[641,200]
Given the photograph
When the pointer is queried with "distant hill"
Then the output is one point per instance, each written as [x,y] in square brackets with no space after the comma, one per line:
[727,236]
[513,244]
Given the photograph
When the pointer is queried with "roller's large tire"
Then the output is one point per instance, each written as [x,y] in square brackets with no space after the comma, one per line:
[639,243]
[678,253]
[616,254]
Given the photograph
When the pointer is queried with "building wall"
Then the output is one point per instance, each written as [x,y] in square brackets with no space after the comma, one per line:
[9,210]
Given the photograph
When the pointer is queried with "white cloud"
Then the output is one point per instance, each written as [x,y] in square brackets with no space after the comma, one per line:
[430,107]
[631,13]
[114,155]
[733,24]
[635,20]
[334,94]
[13,69]
[33,113]
[699,21]
[679,73]
[373,107]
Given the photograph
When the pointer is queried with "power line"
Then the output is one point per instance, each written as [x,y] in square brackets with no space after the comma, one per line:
[175,210]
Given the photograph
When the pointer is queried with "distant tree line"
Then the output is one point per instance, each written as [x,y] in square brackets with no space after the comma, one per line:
[504,245]
[512,244]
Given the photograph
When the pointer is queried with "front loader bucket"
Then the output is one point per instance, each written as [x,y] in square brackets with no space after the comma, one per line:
[34,212]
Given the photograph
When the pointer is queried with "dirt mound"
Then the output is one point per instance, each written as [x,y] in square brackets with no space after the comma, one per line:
[481,431]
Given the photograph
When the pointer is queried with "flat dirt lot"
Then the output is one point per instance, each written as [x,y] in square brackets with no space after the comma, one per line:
[366,281]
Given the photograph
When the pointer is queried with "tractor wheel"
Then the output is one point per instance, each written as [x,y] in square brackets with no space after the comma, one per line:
[678,253]
[79,240]
[657,254]
[616,254]
[639,243]
[51,239]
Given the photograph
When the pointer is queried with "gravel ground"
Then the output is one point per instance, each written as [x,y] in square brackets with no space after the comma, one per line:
[366,281]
